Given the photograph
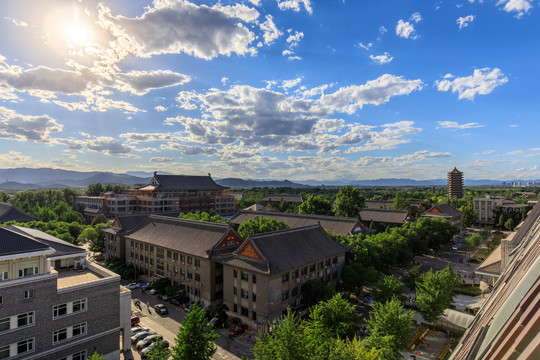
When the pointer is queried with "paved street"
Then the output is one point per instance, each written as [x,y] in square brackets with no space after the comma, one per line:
[168,325]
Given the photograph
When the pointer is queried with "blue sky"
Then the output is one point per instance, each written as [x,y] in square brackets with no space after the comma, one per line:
[273,89]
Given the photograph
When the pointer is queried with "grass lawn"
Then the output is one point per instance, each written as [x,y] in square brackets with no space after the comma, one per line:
[482,254]
[468,289]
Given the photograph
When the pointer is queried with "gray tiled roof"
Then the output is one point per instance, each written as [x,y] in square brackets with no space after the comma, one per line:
[12,242]
[286,197]
[446,210]
[9,212]
[385,216]
[188,236]
[389,204]
[334,224]
[60,246]
[287,249]
[186,182]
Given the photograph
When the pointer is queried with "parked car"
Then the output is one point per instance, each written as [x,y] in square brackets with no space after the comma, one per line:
[146,351]
[237,330]
[139,336]
[132,286]
[213,322]
[187,308]
[161,309]
[454,247]
[135,320]
[138,329]
[152,291]
[147,341]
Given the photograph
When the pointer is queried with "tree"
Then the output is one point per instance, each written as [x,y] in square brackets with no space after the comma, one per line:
[96,356]
[336,316]
[397,201]
[202,216]
[501,220]
[159,351]
[355,276]
[354,349]
[387,288]
[468,218]
[348,202]
[315,205]
[509,224]
[92,236]
[195,340]
[434,292]
[260,224]
[390,328]
[412,278]
[94,189]
[315,291]
[285,342]
[220,311]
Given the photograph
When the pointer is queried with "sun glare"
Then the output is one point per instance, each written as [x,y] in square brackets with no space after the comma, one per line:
[77,34]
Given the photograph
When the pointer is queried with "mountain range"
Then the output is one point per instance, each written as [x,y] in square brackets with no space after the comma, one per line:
[58,178]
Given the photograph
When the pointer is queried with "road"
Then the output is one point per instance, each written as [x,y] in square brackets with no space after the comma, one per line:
[168,326]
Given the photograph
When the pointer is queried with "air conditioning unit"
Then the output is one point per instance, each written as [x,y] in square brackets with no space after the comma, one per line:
[297,280]
[297,302]
[328,271]
[307,276]
[320,273]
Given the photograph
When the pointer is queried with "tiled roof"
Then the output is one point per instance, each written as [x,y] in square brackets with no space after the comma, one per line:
[9,212]
[188,236]
[287,198]
[12,242]
[256,207]
[388,204]
[385,216]
[333,224]
[287,249]
[492,264]
[445,210]
[61,247]
[185,182]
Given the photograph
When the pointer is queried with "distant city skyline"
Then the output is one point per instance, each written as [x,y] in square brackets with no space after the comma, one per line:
[273,89]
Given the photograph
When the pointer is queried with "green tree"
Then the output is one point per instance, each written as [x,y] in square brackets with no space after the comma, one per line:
[96,356]
[159,351]
[315,205]
[434,292]
[260,224]
[387,288]
[502,219]
[354,349]
[509,224]
[348,202]
[94,189]
[412,278]
[336,316]
[468,218]
[390,328]
[91,236]
[220,311]
[285,342]
[315,291]
[398,202]
[195,340]
[355,276]
[202,216]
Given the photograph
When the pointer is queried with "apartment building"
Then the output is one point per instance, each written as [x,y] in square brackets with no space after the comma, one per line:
[54,304]
[256,277]
[164,194]
[484,208]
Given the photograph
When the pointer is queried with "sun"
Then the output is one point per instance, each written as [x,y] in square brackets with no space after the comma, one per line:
[77,34]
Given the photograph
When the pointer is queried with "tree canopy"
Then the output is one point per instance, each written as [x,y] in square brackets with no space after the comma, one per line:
[260,224]
[202,216]
[336,316]
[315,205]
[348,202]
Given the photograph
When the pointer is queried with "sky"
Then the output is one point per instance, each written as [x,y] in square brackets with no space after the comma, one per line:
[273,89]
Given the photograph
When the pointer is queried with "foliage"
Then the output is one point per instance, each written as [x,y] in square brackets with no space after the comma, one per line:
[118,266]
[195,340]
[202,216]
[348,202]
[220,311]
[159,351]
[434,292]
[412,278]
[509,224]
[468,218]
[97,188]
[161,284]
[355,276]
[390,328]
[65,231]
[336,316]
[472,241]
[315,290]
[315,205]
[387,288]
[96,356]
[260,224]
[353,349]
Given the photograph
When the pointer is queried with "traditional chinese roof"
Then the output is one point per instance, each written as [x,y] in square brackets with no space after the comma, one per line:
[385,216]
[279,251]
[388,204]
[294,199]
[189,236]
[12,242]
[61,247]
[9,212]
[442,210]
[124,223]
[182,182]
[334,224]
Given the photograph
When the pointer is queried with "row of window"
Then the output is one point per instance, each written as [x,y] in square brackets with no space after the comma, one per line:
[18,348]
[160,253]
[244,275]
[34,270]
[17,321]
[69,308]
[69,332]
[244,294]
[245,312]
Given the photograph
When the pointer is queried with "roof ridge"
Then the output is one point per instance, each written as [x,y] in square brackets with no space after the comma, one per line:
[188,221]
[285,230]
[329,217]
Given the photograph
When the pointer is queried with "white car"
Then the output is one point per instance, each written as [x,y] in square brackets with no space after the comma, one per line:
[454,247]
[132,286]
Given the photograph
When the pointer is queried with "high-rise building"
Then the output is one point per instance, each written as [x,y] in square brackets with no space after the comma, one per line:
[455,184]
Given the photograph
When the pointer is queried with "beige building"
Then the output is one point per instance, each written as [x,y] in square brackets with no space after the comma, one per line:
[484,208]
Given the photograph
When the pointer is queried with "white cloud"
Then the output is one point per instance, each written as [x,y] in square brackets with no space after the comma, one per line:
[224,80]
[381,59]
[287,84]
[271,32]
[465,21]
[382,30]
[13,159]
[255,2]
[161,159]
[416,17]
[405,30]
[456,125]
[292,42]
[140,82]
[419,156]
[182,27]
[521,7]
[27,127]
[295,5]
[482,82]
[365,47]
[108,146]
[17,22]
[160,108]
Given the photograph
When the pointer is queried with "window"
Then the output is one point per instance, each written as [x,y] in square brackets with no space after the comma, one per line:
[176,269]
[254,316]
[169,254]
[59,310]
[320,265]
[254,297]
[254,278]
[244,311]
[304,270]
[285,277]
[311,267]
[197,262]
[197,277]
[4,275]
[175,256]
[190,275]
[79,329]
[59,335]
[294,274]
[334,260]
[4,324]
[28,271]
[151,261]
[284,295]
[244,275]
[182,272]
[235,291]
[1,300]
[294,291]
[244,294]
[25,346]
[182,258]
[198,292]
[235,273]
[145,247]
[28,294]
[81,355]
[189,260]
[25,319]
[327,262]
[4,352]
[235,308]
[79,305]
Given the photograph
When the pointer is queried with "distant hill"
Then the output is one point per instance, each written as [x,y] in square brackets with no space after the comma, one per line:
[17,185]
[241,183]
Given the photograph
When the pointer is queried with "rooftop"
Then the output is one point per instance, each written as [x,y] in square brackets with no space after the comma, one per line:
[89,275]
[9,212]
